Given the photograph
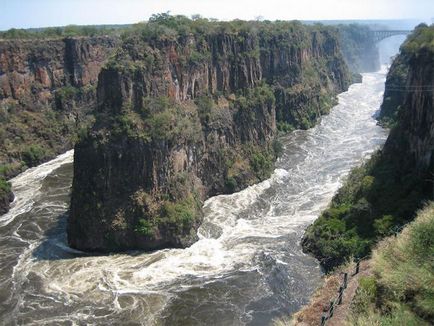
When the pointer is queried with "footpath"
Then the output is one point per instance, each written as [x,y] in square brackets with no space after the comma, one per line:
[331,304]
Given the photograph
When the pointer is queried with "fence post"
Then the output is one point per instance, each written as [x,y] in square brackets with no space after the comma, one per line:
[345,280]
[357,267]
[331,309]
[341,292]
[323,320]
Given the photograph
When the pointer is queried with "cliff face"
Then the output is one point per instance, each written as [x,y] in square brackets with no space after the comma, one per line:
[47,93]
[46,88]
[387,190]
[394,92]
[187,117]
[414,133]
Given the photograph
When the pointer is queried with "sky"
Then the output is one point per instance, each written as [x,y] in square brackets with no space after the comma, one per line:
[43,13]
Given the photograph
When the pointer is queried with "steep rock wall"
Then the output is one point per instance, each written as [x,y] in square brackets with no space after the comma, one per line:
[48,82]
[47,93]
[186,118]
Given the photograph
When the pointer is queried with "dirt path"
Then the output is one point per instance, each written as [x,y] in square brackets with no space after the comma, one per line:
[341,311]
[311,314]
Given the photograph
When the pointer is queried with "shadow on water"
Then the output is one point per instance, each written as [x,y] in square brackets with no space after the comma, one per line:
[54,245]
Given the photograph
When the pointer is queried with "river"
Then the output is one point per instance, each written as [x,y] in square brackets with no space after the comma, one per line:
[246,269]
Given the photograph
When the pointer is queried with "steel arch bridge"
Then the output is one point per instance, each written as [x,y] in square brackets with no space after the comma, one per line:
[380,35]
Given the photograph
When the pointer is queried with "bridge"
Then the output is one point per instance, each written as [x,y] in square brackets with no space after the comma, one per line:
[380,35]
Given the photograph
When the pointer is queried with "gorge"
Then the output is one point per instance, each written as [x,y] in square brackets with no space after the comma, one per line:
[247,265]
[48,89]
[246,268]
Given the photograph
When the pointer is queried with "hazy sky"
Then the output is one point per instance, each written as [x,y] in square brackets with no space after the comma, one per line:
[38,13]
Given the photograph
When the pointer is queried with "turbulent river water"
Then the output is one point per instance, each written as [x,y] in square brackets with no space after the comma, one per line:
[246,269]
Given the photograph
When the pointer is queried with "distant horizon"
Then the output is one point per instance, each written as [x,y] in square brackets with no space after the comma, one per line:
[26,14]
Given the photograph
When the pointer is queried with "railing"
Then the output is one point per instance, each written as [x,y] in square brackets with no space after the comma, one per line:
[339,298]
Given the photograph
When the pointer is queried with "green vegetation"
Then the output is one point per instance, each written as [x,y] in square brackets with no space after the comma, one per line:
[205,106]
[159,119]
[375,198]
[422,39]
[5,187]
[401,292]
[171,27]
[66,93]
[176,216]
[285,127]
[181,214]
[144,227]
[262,162]
[253,98]
[33,155]
[60,32]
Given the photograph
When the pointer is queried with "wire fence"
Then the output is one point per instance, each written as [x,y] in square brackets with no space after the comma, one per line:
[326,317]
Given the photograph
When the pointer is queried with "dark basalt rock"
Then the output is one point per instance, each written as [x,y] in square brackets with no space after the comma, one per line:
[184,119]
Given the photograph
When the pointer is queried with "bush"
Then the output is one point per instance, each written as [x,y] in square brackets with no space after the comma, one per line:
[205,106]
[5,187]
[277,148]
[180,215]
[230,184]
[33,155]
[144,227]
[261,163]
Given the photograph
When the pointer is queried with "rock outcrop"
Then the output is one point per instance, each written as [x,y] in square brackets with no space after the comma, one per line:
[183,116]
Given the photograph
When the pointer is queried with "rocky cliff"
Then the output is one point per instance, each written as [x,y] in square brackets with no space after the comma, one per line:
[47,90]
[188,110]
[413,135]
[384,193]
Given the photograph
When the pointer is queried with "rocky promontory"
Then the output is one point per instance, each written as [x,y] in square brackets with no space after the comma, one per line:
[188,109]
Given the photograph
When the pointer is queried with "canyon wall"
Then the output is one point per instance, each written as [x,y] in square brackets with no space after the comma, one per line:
[386,191]
[188,110]
[47,94]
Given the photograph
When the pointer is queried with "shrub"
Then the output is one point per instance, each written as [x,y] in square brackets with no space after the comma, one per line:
[144,227]
[230,184]
[261,163]
[205,106]
[277,147]
[181,214]
[33,155]
[5,187]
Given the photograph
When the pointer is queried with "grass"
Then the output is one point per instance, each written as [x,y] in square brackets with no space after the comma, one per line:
[404,278]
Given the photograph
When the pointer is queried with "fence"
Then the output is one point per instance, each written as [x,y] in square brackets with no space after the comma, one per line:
[339,298]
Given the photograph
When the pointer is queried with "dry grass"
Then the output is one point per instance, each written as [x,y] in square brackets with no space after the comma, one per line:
[319,303]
